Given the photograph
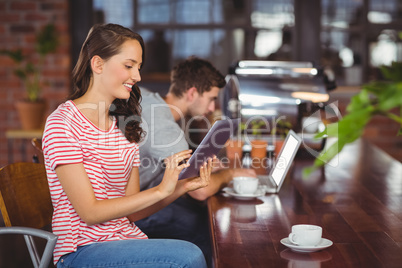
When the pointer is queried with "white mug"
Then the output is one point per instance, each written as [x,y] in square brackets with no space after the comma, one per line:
[311,124]
[305,235]
[245,185]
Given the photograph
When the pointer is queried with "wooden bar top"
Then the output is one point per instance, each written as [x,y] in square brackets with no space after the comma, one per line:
[356,199]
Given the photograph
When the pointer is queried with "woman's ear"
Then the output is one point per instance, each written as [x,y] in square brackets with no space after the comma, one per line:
[97,64]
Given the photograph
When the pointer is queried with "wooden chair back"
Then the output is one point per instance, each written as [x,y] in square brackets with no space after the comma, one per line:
[26,208]
[37,144]
[24,195]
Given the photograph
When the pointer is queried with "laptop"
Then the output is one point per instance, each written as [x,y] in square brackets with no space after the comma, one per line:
[274,180]
[210,145]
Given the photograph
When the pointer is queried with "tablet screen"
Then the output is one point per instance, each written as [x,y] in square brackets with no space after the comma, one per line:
[212,143]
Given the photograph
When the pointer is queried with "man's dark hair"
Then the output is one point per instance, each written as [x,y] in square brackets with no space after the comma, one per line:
[195,72]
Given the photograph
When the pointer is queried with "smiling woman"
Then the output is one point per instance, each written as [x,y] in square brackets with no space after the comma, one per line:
[91,141]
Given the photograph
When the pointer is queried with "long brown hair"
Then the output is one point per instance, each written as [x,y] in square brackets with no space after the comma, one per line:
[105,40]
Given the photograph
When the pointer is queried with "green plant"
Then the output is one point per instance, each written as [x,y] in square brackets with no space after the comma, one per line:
[256,126]
[29,71]
[281,128]
[383,98]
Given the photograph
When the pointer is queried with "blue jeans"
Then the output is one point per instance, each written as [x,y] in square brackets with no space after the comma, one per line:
[184,219]
[136,253]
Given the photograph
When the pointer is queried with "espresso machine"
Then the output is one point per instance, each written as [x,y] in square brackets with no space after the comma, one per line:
[277,90]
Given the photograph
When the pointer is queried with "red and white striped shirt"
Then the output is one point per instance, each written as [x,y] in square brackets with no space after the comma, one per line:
[108,158]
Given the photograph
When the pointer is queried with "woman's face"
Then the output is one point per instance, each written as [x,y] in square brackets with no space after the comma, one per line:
[122,70]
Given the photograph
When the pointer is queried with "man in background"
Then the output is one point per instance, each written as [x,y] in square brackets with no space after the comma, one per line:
[194,88]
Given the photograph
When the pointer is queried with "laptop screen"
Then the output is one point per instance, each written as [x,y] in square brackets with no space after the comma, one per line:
[285,157]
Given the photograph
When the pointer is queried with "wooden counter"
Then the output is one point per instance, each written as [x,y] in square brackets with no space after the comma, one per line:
[357,199]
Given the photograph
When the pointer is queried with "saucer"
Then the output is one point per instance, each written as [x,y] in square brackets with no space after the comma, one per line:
[324,243]
[230,191]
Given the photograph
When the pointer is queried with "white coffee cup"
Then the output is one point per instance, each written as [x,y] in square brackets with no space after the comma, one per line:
[245,185]
[311,124]
[305,234]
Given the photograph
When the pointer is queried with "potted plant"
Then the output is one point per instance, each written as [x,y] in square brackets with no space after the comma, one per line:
[279,132]
[378,98]
[258,144]
[29,69]
[234,146]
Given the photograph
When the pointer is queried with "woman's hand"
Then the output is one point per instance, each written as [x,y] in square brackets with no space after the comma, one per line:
[174,164]
[204,178]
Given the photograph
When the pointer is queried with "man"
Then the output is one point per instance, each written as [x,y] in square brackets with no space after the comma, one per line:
[194,88]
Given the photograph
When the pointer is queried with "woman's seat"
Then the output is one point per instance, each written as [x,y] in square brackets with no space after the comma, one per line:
[37,144]
[26,207]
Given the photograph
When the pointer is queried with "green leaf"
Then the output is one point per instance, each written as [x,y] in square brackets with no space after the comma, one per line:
[359,101]
[346,130]
[321,134]
[391,98]
[393,72]
[47,40]
[30,68]
[350,127]
[307,171]
[376,98]
[330,130]
[15,55]
[20,74]
[375,87]
[33,91]
[325,156]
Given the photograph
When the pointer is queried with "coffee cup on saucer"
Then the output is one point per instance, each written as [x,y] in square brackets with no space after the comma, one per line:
[245,185]
[305,234]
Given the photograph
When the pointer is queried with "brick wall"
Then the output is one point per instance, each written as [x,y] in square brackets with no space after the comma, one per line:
[20,20]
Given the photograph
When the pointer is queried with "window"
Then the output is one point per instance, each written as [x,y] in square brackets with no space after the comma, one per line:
[121,13]
[217,30]
[384,11]
[356,36]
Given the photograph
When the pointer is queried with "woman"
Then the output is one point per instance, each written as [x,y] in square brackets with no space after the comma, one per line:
[92,158]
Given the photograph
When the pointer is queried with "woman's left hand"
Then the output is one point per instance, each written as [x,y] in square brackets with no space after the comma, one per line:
[195,183]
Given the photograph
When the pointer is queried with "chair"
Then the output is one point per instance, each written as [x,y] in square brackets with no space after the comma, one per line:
[26,207]
[37,144]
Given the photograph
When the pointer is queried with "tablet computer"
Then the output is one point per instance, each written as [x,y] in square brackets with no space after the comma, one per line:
[212,143]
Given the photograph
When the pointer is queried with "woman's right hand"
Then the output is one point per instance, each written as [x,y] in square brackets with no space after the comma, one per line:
[174,164]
